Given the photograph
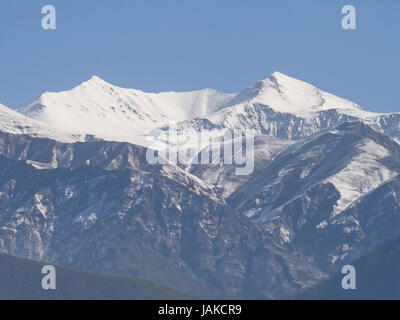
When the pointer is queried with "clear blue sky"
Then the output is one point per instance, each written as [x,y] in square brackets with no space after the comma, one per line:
[192,44]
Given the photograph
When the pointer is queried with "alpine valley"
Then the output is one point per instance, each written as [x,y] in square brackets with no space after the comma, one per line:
[77,191]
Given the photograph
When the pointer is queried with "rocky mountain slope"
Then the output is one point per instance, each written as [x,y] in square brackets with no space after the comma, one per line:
[278,106]
[306,193]
[223,175]
[287,108]
[128,221]
[75,191]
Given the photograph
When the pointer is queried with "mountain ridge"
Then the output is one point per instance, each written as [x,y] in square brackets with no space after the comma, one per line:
[308,191]
[323,191]
[280,106]
[111,112]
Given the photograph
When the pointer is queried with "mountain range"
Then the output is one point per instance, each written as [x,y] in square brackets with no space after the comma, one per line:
[77,190]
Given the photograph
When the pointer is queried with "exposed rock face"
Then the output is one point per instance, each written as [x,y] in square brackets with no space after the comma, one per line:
[129,221]
[316,195]
[324,191]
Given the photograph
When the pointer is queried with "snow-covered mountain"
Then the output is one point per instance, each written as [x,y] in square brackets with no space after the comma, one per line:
[306,192]
[76,187]
[279,106]
[369,222]
[287,108]
[101,207]
[223,175]
[113,113]
[16,123]
[288,95]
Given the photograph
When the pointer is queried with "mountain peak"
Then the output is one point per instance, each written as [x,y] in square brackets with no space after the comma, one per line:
[278,75]
[95,78]
[114,113]
[96,81]
[290,95]
[282,79]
